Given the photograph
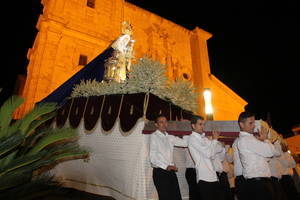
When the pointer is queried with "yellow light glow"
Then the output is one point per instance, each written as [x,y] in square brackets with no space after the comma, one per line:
[207,99]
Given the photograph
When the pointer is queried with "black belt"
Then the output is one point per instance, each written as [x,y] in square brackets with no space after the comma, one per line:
[258,179]
[240,178]
[286,175]
[273,178]
[161,169]
[220,173]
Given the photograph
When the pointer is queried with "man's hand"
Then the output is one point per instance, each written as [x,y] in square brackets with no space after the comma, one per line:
[215,135]
[172,168]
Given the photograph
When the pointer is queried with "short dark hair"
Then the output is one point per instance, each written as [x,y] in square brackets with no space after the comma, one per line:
[244,115]
[159,116]
[195,118]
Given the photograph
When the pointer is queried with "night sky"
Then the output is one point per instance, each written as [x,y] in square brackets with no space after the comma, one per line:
[254,49]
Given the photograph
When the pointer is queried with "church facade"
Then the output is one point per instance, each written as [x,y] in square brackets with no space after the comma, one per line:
[72,33]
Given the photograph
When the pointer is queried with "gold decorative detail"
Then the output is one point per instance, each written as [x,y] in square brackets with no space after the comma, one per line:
[109,110]
[131,109]
[92,111]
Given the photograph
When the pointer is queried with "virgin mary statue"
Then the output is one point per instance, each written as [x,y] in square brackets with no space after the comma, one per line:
[118,66]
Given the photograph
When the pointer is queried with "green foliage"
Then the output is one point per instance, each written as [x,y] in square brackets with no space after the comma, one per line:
[95,88]
[147,76]
[39,188]
[6,112]
[183,93]
[28,148]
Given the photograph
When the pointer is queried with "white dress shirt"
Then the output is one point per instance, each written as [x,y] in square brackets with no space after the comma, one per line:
[219,158]
[229,154]
[227,163]
[237,167]
[226,166]
[253,155]
[288,163]
[275,167]
[203,151]
[189,162]
[274,163]
[161,149]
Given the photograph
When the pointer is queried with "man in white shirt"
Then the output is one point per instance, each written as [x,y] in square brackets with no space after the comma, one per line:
[276,174]
[253,153]
[229,169]
[239,182]
[191,178]
[221,167]
[203,151]
[161,158]
[288,163]
[231,179]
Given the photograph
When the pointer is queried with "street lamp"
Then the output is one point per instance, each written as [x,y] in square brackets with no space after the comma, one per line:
[208,105]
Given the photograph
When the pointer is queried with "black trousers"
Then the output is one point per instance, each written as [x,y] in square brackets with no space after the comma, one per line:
[240,187]
[210,190]
[289,187]
[225,187]
[279,193]
[232,193]
[190,175]
[166,184]
[259,189]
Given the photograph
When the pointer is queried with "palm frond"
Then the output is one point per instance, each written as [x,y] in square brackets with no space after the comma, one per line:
[67,147]
[13,179]
[70,156]
[10,142]
[37,112]
[31,140]
[53,137]
[21,162]
[6,112]
[39,188]
[27,147]
[36,123]
[8,158]
[14,127]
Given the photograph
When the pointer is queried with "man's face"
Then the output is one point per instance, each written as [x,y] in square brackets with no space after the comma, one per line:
[162,124]
[199,126]
[248,125]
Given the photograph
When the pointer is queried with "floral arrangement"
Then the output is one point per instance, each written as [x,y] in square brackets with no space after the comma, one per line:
[183,94]
[147,76]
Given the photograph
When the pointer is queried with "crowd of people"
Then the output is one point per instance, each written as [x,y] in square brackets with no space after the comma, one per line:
[252,169]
